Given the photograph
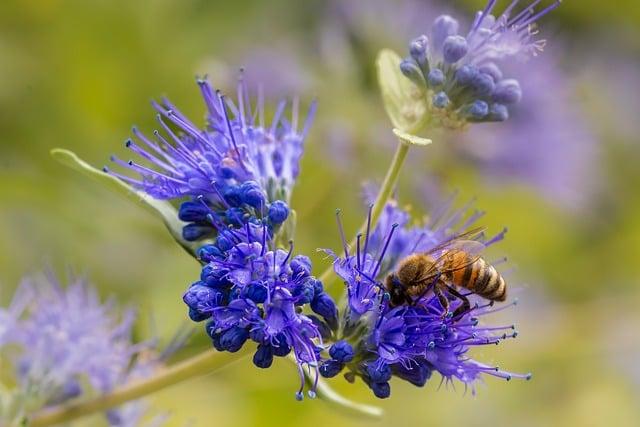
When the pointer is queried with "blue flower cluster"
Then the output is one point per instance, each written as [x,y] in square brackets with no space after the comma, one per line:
[250,291]
[378,341]
[459,73]
[237,176]
[236,169]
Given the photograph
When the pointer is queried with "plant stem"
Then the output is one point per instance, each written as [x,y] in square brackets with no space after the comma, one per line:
[388,185]
[204,363]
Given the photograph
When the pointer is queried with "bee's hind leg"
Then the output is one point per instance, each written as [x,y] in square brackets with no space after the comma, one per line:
[464,307]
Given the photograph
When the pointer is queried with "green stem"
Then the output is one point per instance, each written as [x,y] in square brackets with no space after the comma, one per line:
[204,363]
[383,196]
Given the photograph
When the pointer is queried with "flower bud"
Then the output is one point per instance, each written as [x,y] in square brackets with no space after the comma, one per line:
[331,368]
[436,77]
[378,372]
[498,113]
[301,265]
[411,70]
[418,49]
[478,110]
[325,307]
[341,351]
[507,92]
[381,390]
[440,100]
[193,232]
[493,70]
[443,27]
[251,193]
[483,84]
[281,347]
[263,358]
[278,212]
[466,74]
[193,212]
[233,339]
[454,49]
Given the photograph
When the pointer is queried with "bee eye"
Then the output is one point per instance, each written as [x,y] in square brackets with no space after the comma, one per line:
[396,281]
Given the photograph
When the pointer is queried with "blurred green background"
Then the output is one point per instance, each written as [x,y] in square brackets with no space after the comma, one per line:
[78,74]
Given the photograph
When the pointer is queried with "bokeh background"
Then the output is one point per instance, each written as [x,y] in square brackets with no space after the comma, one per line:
[562,175]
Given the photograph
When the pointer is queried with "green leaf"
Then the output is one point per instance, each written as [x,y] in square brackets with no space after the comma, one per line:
[410,139]
[160,208]
[404,101]
[338,401]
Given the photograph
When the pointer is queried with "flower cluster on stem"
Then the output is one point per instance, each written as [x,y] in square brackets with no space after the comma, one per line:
[460,74]
[377,340]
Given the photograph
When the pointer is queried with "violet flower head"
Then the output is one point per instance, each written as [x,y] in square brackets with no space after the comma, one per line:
[460,74]
[64,342]
[239,163]
[409,341]
[250,291]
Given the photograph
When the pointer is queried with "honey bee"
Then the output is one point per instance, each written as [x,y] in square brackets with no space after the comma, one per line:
[454,264]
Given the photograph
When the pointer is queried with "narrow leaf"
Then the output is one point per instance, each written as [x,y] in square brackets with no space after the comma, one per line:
[161,208]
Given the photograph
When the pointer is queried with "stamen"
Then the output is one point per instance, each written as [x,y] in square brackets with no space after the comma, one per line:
[524,13]
[358,249]
[386,245]
[219,194]
[155,147]
[366,236]
[497,237]
[294,114]
[341,229]
[313,108]
[418,240]
[276,117]
[509,8]
[231,134]
[261,105]
[209,99]
[541,13]
[264,238]
[186,152]
[146,155]
[241,97]
[288,255]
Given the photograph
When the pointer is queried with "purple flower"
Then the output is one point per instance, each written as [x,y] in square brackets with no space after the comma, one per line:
[409,341]
[237,145]
[65,339]
[237,166]
[459,73]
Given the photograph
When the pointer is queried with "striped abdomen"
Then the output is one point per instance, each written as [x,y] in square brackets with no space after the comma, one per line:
[478,276]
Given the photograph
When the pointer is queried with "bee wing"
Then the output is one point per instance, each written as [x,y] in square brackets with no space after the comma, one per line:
[472,248]
[452,240]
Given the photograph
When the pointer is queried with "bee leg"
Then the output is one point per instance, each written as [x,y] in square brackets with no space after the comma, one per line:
[464,307]
[444,302]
